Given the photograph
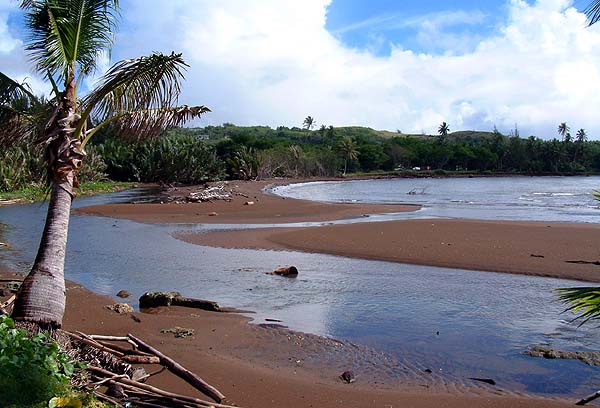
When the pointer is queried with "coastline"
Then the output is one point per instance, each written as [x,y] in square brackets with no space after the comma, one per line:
[257,366]
[557,250]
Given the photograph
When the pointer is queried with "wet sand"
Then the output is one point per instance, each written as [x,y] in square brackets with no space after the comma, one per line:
[266,208]
[559,250]
[271,367]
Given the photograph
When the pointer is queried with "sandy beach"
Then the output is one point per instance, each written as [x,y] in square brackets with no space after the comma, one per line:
[256,366]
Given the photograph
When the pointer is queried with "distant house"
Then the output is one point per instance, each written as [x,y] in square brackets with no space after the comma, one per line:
[202,137]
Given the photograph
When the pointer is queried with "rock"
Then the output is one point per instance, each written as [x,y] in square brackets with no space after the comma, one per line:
[115,390]
[156,299]
[123,294]
[139,374]
[591,358]
[348,377]
[212,214]
[179,332]
[287,271]
[249,203]
[120,308]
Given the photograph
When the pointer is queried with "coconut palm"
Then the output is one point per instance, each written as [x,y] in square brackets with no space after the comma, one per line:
[308,123]
[581,136]
[443,131]
[137,97]
[347,148]
[563,130]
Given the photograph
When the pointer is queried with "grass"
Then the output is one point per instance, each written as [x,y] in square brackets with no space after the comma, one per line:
[41,193]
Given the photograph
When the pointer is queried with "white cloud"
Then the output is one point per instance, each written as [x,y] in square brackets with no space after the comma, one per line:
[274,63]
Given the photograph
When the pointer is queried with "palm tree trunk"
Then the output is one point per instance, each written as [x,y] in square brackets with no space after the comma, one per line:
[41,298]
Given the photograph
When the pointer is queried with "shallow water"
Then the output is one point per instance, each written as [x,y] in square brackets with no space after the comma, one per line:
[485,320]
[497,198]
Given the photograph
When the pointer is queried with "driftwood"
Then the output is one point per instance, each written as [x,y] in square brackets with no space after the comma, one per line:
[126,383]
[92,343]
[181,371]
[9,302]
[123,349]
[156,299]
[589,398]
[131,359]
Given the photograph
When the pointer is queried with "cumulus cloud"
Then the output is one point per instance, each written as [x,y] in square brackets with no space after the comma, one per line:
[274,63]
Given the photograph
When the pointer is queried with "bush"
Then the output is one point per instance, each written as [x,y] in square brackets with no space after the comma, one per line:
[32,369]
[183,159]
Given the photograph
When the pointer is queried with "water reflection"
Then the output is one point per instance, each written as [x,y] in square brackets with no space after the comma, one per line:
[485,320]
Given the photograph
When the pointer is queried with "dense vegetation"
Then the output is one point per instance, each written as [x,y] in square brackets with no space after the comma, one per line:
[197,155]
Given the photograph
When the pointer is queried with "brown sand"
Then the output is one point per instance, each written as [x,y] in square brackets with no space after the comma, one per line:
[267,208]
[531,248]
[261,367]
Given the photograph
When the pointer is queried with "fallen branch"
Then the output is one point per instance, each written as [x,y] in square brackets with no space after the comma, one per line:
[94,344]
[181,371]
[104,398]
[141,359]
[589,398]
[146,387]
[9,302]
[124,349]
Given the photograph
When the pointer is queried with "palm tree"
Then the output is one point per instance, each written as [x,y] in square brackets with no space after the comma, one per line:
[443,131]
[349,152]
[135,96]
[581,136]
[563,130]
[308,123]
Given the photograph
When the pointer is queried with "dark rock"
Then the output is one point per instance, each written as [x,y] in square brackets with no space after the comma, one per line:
[156,299]
[484,380]
[348,377]
[287,271]
[428,371]
[123,294]
[115,390]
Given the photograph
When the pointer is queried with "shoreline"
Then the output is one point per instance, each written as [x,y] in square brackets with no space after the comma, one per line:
[546,249]
[256,366]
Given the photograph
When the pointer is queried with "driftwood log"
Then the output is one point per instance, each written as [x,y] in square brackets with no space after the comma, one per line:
[589,398]
[181,371]
[126,383]
[156,299]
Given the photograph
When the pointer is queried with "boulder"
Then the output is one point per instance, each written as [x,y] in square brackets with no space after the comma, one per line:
[348,377]
[287,271]
[156,299]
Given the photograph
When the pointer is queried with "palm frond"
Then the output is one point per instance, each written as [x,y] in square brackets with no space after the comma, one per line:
[584,301]
[140,93]
[593,12]
[21,112]
[64,33]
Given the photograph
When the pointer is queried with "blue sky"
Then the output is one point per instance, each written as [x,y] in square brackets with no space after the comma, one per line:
[377,24]
[406,65]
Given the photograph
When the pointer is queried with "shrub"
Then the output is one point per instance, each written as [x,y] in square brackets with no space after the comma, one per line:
[32,369]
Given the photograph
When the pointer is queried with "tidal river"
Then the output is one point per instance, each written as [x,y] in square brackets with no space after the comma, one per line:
[458,323]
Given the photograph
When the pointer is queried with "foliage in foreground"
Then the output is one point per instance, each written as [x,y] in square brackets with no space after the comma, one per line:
[32,369]
[584,300]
